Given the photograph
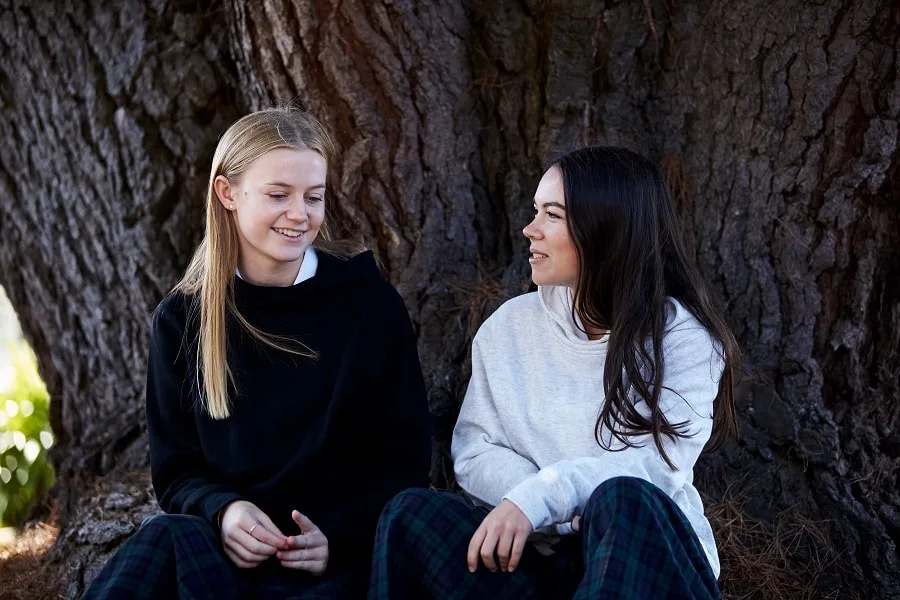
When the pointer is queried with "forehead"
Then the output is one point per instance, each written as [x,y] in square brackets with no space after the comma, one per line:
[550,187]
[289,165]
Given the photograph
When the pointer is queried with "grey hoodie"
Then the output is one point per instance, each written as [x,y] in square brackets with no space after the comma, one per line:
[526,428]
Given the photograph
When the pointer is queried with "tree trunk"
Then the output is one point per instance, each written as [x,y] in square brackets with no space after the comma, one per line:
[110,113]
[776,125]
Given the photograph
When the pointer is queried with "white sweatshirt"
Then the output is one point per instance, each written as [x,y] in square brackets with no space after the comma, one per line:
[526,427]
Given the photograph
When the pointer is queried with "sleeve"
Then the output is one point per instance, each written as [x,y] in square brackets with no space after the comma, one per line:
[399,453]
[484,463]
[183,480]
[693,368]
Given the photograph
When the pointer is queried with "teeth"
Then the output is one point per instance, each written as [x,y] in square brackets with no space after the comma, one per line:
[538,255]
[289,232]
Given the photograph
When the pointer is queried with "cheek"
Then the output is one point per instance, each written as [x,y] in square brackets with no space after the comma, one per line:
[571,253]
[316,215]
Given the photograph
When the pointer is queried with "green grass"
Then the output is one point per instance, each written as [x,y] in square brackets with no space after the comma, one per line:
[25,436]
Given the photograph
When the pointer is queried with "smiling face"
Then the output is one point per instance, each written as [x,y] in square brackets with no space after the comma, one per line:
[553,258]
[278,206]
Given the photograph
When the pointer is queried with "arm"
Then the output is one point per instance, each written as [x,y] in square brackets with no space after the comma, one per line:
[400,423]
[484,463]
[182,479]
[693,367]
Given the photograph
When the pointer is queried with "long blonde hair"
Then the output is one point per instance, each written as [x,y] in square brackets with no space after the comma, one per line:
[209,277]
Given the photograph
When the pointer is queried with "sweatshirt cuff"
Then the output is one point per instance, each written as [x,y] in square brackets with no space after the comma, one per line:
[214,503]
[534,497]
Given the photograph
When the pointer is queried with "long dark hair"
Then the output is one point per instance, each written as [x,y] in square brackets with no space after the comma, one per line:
[631,260]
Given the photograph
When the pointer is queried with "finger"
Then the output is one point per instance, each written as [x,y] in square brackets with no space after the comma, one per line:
[515,554]
[316,567]
[302,521]
[306,554]
[474,547]
[239,562]
[267,532]
[504,545]
[252,544]
[576,523]
[312,540]
[246,554]
[487,550]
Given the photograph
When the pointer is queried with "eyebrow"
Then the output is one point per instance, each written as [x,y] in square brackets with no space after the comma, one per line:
[288,185]
[551,205]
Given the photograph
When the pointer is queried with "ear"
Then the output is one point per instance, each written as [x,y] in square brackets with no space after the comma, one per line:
[224,190]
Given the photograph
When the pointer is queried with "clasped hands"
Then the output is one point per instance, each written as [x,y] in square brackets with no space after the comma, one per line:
[249,537]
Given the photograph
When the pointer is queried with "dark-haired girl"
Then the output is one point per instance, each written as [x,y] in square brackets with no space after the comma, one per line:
[590,401]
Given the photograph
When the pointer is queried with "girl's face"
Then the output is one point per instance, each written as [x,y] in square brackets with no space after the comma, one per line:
[278,205]
[553,258]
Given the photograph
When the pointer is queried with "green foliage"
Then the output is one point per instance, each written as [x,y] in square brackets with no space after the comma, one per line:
[25,436]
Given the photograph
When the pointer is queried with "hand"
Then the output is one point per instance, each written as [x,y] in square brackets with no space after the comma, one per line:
[576,524]
[505,529]
[307,551]
[248,535]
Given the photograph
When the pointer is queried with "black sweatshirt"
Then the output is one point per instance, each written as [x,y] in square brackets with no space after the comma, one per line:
[334,438]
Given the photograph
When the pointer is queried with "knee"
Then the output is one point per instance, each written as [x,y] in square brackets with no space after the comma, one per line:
[620,491]
[405,505]
[165,526]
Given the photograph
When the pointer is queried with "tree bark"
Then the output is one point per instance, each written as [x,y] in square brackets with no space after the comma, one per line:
[109,113]
[776,126]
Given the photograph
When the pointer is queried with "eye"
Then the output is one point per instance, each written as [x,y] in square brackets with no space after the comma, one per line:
[314,199]
[553,215]
[277,196]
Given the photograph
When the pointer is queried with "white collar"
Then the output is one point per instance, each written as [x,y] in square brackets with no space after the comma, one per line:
[308,266]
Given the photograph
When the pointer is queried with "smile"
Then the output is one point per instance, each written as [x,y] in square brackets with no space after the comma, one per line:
[535,257]
[291,233]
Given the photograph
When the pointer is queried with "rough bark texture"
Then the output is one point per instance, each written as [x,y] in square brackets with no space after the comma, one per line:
[776,125]
[109,113]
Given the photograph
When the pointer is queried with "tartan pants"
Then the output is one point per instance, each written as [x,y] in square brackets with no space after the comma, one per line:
[635,543]
[180,556]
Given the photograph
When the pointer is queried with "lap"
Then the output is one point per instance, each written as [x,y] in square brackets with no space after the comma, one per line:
[434,530]
[196,549]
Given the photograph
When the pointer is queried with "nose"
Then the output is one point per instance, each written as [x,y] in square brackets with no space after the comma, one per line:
[531,231]
[297,210]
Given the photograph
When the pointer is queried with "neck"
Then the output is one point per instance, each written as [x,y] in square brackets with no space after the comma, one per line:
[275,275]
[593,333]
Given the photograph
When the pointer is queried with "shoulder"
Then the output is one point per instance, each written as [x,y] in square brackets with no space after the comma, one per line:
[511,313]
[688,340]
[171,314]
[385,301]
[371,286]
[681,324]
[361,265]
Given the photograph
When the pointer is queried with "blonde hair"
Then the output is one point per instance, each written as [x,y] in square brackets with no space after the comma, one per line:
[209,277]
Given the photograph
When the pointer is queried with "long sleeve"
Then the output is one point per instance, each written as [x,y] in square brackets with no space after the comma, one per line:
[484,462]
[183,480]
[399,453]
[693,367]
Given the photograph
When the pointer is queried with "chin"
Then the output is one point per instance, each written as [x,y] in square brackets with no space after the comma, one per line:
[287,258]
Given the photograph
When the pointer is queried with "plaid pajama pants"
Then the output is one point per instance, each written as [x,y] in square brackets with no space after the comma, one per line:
[180,556]
[635,543]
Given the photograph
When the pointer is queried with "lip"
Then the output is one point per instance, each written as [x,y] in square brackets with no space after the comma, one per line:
[288,238]
[536,259]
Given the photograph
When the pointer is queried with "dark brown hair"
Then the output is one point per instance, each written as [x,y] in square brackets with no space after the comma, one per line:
[631,260]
